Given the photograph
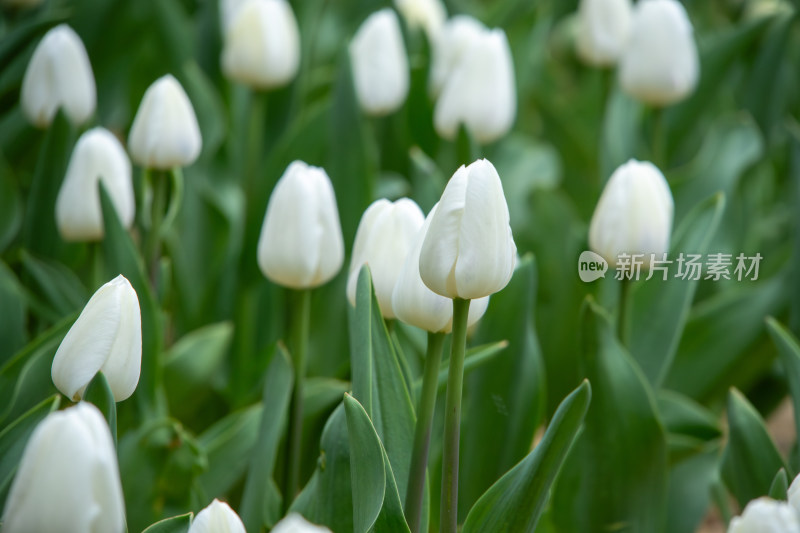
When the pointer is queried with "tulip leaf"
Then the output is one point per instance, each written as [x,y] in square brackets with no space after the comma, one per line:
[516,501]
[12,308]
[10,206]
[175,524]
[751,458]
[621,132]
[779,489]
[206,101]
[98,393]
[694,468]
[57,284]
[476,357]
[789,356]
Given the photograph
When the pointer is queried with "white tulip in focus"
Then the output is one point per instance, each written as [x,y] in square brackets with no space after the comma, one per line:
[449,46]
[295,523]
[380,64]
[660,65]
[165,133]
[98,155]
[480,92]
[634,213]
[262,44]
[218,517]
[468,251]
[414,303]
[765,515]
[384,238]
[301,244]
[68,478]
[603,30]
[59,75]
[106,337]
[426,14]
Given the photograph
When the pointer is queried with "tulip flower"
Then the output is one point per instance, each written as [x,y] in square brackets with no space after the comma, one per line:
[106,337]
[218,517]
[68,478]
[765,515]
[98,156]
[59,75]
[480,91]
[262,44]
[660,65]
[426,14]
[603,30]
[380,64]
[227,12]
[295,523]
[165,133]
[634,213]
[384,237]
[449,46]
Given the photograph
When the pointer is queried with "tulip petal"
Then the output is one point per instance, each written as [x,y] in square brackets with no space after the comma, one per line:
[218,517]
[123,366]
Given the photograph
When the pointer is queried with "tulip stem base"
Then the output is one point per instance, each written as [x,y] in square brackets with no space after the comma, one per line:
[422,432]
[98,392]
[448,522]
[299,327]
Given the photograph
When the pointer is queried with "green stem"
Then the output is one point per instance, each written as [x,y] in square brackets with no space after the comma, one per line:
[95,265]
[158,207]
[422,432]
[659,139]
[98,392]
[448,522]
[622,317]
[299,347]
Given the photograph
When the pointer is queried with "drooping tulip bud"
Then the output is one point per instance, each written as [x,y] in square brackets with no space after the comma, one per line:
[59,75]
[468,251]
[634,213]
[68,478]
[295,523]
[262,44]
[218,517]
[479,92]
[414,303]
[426,14]
[384,237]
[449,46]
[380,64]
[765,515]
[301,244]
[660,65]
[98,155]
[603,30]
[165,133]
[106,337]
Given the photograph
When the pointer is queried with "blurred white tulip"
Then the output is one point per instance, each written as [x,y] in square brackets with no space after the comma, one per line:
[59,75]
[468,251]
[218,517]
[380,64]
[765,515]
[794,494]
[384,237]
[449,46]
[98,156]
[301,244]
[603,30]
[227,11]
[426,14]
[295,523]
[106,337]
[68,478]
[165,133]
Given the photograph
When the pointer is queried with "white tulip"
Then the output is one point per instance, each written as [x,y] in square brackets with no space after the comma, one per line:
[384,237]
[301,244]
[165,133]
[380,64]
[634,213]
[262,44]
[227,12]
[68,479]
[98,156]
[59,75]
[765,515]
[414,303]
[449,46]
[295,523]
[480,92]
[218,517]
[426,14]
[468,251]
[794,494]
[660,65]
[106,337]
[603,30]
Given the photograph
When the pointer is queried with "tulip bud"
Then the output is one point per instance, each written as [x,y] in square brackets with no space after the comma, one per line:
[227,12]
[426,14]
[165,133]
[107,337]
[634,213]
[68,478]
[97,156]
[603,30]
[58,75]
[414,303]
[794,494]
[479,93]
[449,46]
[765,515]
[218,517]
[659,65]
[384,237]
[468,251]
[380,64]
[295,523]
[262,44]
[301,244]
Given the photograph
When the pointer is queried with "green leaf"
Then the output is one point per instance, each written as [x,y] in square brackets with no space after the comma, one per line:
[98,393]
[517,500]
[621,132]
[476,357]
[210,109]
[12,309]
[779,488]
[683,416]
[693,470]
[789,355]
[176,524]
[10,206]
[751,458]
[58,284]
